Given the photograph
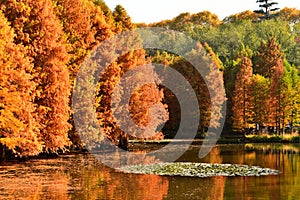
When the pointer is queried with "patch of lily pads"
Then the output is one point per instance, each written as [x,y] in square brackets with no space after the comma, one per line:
[198,169]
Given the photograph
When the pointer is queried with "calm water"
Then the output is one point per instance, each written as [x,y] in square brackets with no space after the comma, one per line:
[82,177]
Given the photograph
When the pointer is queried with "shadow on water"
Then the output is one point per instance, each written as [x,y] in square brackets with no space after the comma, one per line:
[81,176]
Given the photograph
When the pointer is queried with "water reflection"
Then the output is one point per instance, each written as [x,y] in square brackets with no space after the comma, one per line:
[285,158]
[83,177]
[76,177]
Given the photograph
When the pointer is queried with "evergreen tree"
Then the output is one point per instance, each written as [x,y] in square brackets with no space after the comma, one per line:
[266,9]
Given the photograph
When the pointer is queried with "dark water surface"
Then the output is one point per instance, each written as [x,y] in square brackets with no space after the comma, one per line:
[83,177]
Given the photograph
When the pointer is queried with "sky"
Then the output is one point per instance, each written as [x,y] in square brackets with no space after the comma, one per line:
[149,11]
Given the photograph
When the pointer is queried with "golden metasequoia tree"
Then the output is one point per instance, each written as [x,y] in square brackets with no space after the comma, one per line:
[269,63]
[39,30]
[18,129]
[241,95]
[85,26]
[267,58]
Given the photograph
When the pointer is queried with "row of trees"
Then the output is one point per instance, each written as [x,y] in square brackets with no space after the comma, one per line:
[266,93]
[260,57]
[42,46]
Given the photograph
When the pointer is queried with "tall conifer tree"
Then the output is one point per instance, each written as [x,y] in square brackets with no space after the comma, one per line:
[18,129]
[40,31]
[266,9]
[242,96]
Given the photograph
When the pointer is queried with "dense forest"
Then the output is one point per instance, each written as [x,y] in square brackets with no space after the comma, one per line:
[260,60]
[44,42]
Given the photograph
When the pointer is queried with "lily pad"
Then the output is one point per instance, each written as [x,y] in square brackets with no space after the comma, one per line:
[198,169]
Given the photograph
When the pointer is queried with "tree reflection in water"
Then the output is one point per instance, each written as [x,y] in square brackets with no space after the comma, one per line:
[76,177]
[83,177]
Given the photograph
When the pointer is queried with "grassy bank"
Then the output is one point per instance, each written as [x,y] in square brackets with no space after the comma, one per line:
[263,138]
[288,138]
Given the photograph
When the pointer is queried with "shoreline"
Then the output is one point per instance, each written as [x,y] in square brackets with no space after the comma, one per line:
[223,140]
[134,145]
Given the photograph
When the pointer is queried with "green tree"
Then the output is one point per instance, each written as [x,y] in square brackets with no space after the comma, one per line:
[266,9]
[289,96]
[260,100]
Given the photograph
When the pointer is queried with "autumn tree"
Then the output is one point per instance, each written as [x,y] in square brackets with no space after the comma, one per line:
[267,58]
[37,28]
[145,107]
[241,95]
[269,63]
[187,22]
[210,113]
[246,15]
[142,98]
[19,131]
[276,94]
[85,26]
[205,18]
[291,15]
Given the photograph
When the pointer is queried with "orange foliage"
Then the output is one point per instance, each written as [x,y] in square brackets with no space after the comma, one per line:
[290,14]
[37,28]
[18,129]
[246,15]
[241,95]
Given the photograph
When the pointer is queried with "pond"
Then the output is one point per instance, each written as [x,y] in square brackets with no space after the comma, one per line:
[81,176]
